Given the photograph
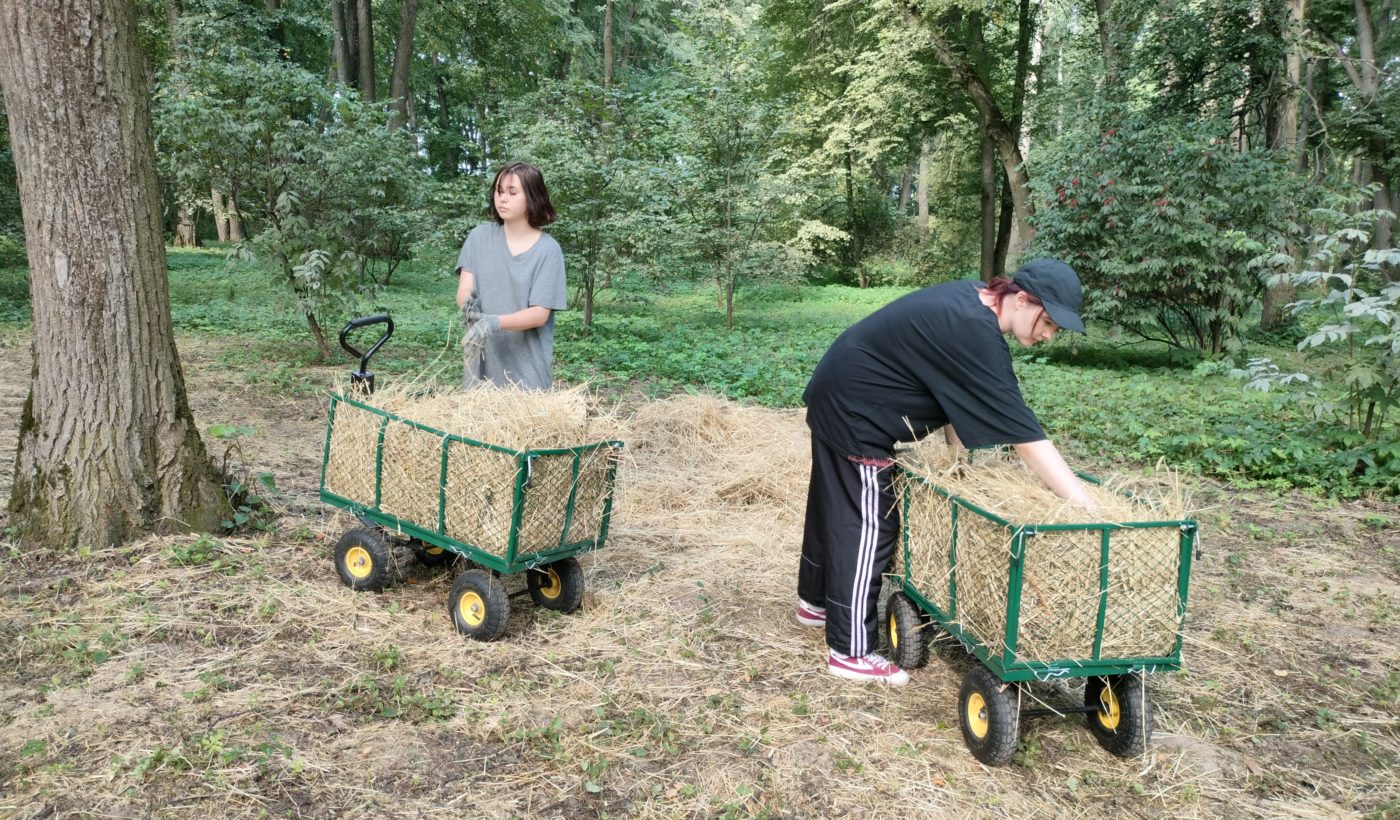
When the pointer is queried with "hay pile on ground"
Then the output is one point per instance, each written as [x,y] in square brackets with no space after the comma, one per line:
[1060,590]
[469,490]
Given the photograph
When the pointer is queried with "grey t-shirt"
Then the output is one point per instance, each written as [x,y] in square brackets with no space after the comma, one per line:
[506,283]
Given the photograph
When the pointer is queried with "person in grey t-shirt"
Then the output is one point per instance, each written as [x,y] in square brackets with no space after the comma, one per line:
[511,280]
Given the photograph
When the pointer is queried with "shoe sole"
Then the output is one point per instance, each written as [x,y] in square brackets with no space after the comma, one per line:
[856,676]
[810,621]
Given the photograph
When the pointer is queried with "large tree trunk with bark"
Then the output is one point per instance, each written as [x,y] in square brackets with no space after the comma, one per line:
[364,24]
[921,215]
[108,449]
[403,60]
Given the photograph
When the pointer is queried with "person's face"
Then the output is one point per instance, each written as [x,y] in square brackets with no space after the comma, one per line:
[1031,325]
[510,198]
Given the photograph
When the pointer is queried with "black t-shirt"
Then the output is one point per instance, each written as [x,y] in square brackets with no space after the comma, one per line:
[929,358]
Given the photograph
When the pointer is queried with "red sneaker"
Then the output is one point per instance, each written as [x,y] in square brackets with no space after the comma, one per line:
[871,667]
[809,615]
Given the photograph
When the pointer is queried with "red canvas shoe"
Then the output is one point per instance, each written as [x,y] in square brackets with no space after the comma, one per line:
[809,615]
[871,667]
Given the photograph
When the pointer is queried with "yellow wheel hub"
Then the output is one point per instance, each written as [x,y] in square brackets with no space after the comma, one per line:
[551,585]
[977,714]
[358,562]
[472,608]
[434,551]
[1109,712]
[894,632]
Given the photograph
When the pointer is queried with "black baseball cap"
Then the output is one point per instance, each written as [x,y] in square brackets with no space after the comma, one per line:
[1057,287]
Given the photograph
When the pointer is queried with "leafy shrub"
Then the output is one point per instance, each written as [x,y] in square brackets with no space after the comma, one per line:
[1165,223]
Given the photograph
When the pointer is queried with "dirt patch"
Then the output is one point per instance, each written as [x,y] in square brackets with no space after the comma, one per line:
[236,677]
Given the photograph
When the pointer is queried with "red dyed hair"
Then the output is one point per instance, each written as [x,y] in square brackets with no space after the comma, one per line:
[1002,287]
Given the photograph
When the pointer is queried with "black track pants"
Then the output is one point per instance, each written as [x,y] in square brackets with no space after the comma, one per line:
[850,535]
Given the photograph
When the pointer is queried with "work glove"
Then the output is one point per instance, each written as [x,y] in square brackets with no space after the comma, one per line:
[480,327]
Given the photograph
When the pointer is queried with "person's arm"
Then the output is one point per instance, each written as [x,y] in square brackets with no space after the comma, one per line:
[1046,462]
[466,283]
[950,436]
[527,319]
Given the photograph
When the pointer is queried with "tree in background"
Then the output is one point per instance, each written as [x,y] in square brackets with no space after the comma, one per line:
[1166,222]
[108,449]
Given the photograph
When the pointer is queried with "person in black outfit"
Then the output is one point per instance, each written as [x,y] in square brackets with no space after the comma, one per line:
[932,359]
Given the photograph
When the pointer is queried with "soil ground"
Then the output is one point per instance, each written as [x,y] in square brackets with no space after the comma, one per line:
[235,676]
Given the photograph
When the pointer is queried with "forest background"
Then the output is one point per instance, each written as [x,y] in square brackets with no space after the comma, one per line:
[1198,163]
[738,182]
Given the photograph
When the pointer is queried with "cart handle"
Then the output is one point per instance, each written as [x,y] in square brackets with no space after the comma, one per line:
[363,378]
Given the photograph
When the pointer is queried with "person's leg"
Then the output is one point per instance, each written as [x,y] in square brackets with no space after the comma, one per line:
[811,570]
[862,542]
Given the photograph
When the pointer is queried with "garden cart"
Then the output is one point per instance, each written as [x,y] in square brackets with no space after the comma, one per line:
[1039,604]
[423,493]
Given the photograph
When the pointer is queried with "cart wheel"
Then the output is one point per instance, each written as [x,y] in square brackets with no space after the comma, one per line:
[557,586]
[908,649]
[479,605]
[431,556]
[1123,722]
[364,560]
[987,711]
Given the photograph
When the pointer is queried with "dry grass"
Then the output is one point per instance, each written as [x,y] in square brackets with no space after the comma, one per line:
[235,677]
[1059,589]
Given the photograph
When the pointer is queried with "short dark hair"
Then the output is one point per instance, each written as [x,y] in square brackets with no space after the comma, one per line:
[539,211]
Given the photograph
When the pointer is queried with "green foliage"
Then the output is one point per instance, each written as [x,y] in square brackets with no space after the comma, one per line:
[1365,326]
[1166,224]
[325,190]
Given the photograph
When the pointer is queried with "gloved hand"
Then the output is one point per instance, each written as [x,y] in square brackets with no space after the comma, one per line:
[480,327]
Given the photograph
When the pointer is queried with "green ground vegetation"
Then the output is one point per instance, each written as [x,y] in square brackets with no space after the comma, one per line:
[1104,399]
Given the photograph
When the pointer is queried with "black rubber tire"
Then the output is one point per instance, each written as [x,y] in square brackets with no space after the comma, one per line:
[987,713]
[365,560]
[557,586]
[431,556]
[1123,722]
[905,627]
[479,605]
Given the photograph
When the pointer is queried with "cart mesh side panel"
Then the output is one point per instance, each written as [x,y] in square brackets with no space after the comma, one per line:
[984,553]
[1143,614]
[479,496]
[350,462]
[928,517]
[1059,595]
[411,467]
[593,494]
[546,505]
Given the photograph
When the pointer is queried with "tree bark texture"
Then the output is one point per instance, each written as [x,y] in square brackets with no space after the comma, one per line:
[108,449]
[403,61]
[343,47]
[365,31]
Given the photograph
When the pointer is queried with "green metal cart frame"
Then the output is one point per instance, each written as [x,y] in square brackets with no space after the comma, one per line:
[514,561]
[1117,704]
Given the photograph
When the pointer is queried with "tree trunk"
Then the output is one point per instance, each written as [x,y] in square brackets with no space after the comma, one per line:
[607,43]
[853,221]
[235,221]
[343,49]
[987,210]
[216,201]
[185,235]
[1283,136]
[997,128]
[453,157]
[1110,57]
[403,60]
[905,180]
[108,450]
[922,218]
[365,32]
